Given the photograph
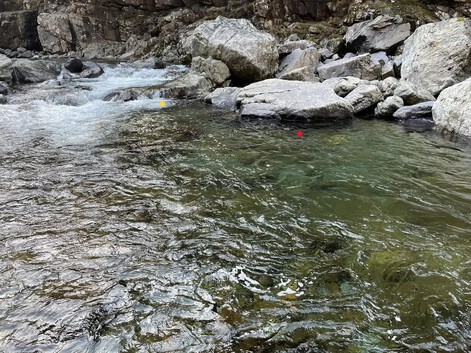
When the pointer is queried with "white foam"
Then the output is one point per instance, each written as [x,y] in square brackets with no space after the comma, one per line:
[71,115]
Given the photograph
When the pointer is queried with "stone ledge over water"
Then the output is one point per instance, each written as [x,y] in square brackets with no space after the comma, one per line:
[292,100]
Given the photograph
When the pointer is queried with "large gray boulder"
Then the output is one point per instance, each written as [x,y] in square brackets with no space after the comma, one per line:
[384,33]
[300,61]
[292,100]
[438,55]
[452,110]
[214,70]
[364,97]
[361,66]
[28,71]
[5,68]
[250,54]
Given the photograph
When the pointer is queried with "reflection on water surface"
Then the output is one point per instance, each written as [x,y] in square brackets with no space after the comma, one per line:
[182,230]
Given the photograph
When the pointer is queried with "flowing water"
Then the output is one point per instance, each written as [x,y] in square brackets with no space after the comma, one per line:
[127,227]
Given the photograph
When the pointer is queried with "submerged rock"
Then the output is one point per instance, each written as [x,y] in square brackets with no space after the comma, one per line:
[452,110]
[438,55]
[3,99]
[361,66]
[292,100]
[250,54]
[384,33]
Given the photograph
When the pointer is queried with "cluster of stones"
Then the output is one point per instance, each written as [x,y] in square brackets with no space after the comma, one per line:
[388,72]
[385,70]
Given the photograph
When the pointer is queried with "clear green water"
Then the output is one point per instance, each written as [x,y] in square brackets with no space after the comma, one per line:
[183,230]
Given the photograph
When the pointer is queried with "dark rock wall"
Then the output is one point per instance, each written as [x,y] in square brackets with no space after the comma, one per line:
[18,29]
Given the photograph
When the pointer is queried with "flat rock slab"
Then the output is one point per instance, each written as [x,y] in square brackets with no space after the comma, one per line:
[292,101]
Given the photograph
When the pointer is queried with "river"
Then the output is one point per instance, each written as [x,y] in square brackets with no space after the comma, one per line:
[132,227]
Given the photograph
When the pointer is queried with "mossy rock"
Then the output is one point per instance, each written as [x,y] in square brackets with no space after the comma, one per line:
[392,266]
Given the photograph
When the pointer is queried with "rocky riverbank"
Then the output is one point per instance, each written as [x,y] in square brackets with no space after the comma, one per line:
[388,67]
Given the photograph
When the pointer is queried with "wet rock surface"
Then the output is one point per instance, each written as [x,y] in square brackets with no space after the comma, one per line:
[225,98]
[416,111]
[91,70]
[74,65]
[27,71]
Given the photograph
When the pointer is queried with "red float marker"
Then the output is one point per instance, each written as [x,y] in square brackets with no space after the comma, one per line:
[299,134]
